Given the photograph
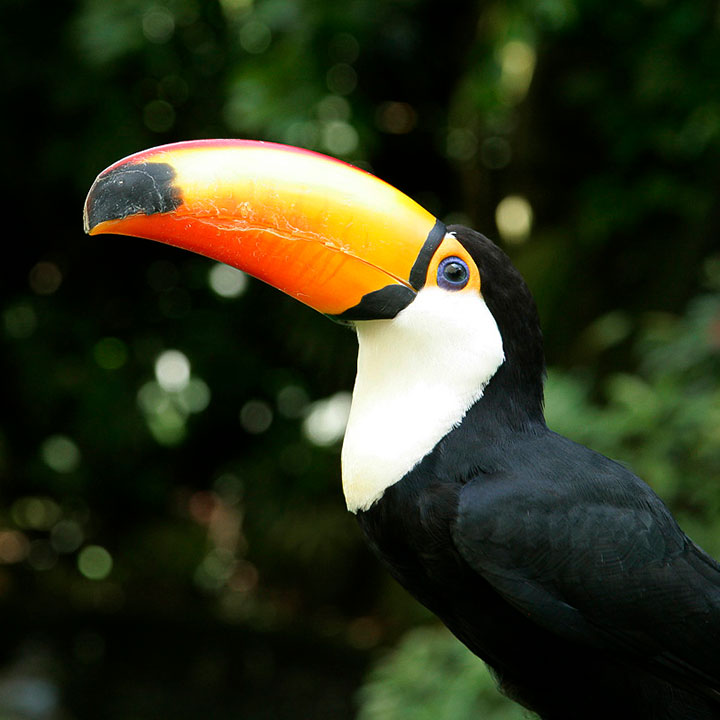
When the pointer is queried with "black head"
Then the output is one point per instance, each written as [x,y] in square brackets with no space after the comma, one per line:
[517,387]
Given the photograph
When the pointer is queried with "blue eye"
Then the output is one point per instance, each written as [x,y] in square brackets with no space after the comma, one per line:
[453,273]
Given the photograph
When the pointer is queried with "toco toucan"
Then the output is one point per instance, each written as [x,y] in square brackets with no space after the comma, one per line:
[558,567]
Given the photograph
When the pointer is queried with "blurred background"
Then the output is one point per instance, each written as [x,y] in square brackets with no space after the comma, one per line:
[173,539]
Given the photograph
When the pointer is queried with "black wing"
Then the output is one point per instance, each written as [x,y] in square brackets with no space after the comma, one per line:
[588,551]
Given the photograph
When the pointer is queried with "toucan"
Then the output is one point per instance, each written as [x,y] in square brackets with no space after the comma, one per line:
[557,566]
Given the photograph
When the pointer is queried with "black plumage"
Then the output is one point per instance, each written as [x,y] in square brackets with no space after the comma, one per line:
[557,566]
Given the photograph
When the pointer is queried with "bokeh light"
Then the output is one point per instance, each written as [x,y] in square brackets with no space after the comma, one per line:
[339,137]
[513,217]
[45,278]
[396,118]
[159,116]
[20,321]
[14,546]
[66,536]
[175,394]
[256,416]
[216,569]
[341,79]
[517,63]
[158,24]
[255,37]
[167,424]
[461,144]
[172,370]
[110,353]
[333,107]
[42,555]
[236,8]
[94,562]
[36,513]
[227,281]
[60,453]
[327,419]
[195,396]
[292,401]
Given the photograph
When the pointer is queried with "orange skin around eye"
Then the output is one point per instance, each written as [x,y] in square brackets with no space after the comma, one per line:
[451,247]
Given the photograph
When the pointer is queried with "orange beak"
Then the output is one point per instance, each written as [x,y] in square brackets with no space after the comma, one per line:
[322,231]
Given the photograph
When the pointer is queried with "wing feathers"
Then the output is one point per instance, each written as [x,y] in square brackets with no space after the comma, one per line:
[600,561]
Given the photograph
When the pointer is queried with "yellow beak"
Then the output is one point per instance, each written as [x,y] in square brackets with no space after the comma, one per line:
[324,232]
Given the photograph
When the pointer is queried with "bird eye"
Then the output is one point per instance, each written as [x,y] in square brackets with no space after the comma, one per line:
[453,273]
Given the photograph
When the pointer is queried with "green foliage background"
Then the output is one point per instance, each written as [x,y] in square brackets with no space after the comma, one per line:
[186,552]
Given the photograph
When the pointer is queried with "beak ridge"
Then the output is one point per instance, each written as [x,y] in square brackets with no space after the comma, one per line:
[328,234]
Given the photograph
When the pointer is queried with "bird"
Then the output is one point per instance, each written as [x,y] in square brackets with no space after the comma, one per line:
[557,566]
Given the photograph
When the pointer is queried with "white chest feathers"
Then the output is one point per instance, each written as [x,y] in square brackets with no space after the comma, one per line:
[417,376]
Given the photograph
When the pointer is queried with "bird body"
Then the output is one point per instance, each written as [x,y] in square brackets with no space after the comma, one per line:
[557,566]
[557,580]
[553,563]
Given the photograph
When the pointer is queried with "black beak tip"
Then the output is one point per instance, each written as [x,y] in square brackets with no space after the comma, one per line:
[131,189]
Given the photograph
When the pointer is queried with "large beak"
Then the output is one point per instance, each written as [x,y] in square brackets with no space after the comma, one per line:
[326,233]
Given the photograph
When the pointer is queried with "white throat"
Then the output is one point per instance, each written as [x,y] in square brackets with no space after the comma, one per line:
[417,376]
